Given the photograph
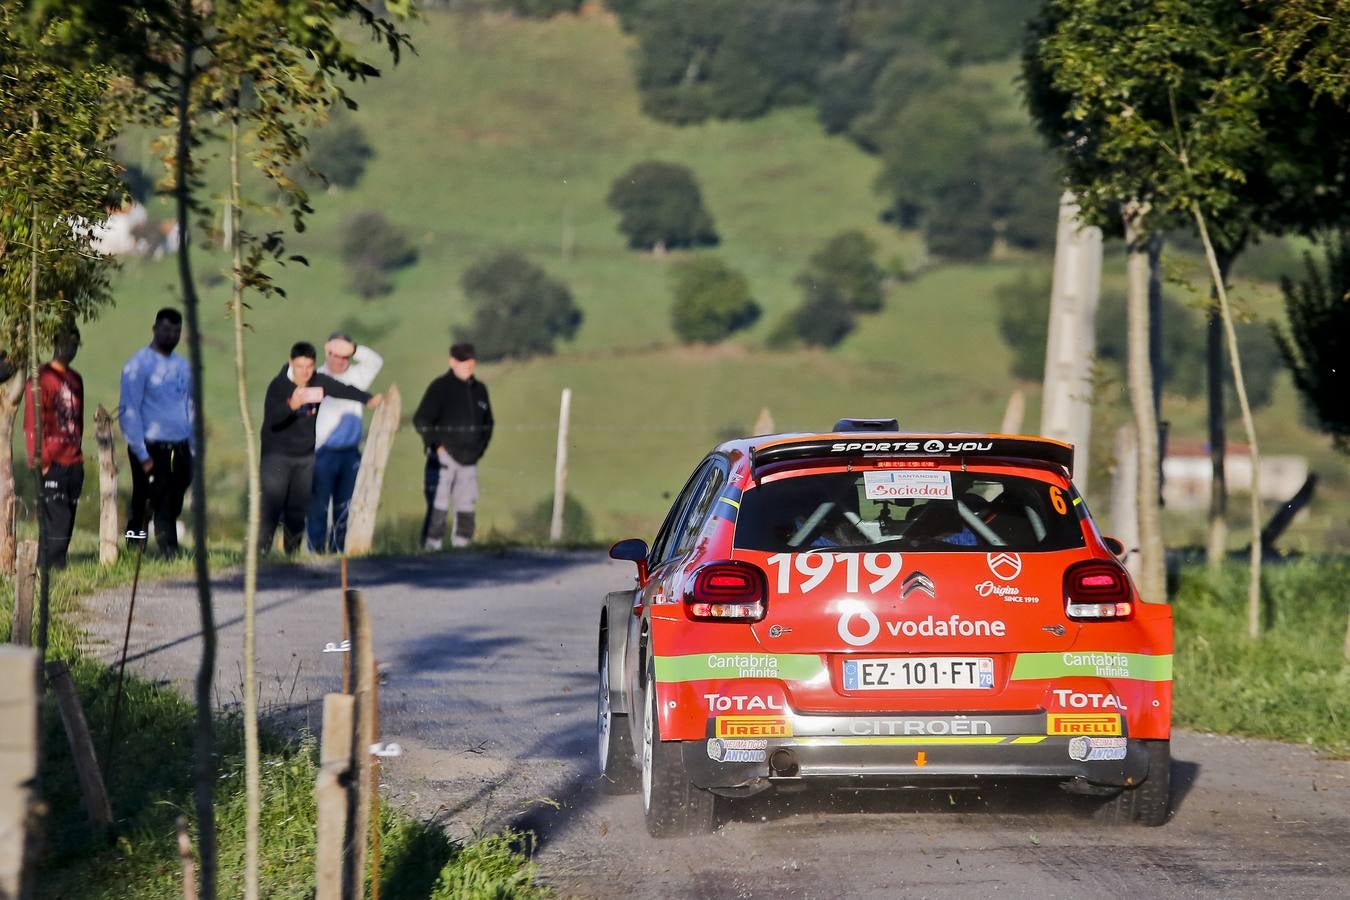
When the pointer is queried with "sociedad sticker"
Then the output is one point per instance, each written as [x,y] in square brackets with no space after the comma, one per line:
[908,484]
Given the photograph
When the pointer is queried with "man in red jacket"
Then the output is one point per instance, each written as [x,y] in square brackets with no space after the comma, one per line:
[62,434]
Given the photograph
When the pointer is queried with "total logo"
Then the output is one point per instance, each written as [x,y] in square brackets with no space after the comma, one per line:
[726,703]
[1005,566]
[1084,700]
[954,625]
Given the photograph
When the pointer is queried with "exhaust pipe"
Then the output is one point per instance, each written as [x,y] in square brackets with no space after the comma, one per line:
[783,763]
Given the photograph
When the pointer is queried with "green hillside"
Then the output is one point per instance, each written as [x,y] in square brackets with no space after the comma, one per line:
[496,134]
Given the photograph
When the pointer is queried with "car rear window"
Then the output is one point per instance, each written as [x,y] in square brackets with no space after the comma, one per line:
[937,510]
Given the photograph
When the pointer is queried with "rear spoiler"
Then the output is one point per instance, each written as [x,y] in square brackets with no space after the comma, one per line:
[912,446]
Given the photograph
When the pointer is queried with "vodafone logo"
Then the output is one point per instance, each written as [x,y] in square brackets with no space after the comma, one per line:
[1006,566]
[854,609]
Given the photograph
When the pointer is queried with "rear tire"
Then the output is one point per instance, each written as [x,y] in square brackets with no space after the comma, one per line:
[618,767]
[671,803]
[1145,803]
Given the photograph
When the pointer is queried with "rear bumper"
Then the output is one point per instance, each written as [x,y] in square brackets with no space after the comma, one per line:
[871,751]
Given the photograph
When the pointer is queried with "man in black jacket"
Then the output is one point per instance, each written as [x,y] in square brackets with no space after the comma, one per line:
[287,464]
[455,421]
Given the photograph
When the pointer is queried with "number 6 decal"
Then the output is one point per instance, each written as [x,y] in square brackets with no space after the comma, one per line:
[1057,500]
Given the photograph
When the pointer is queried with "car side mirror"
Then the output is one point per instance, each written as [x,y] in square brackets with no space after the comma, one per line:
[634,550]
[1116,547]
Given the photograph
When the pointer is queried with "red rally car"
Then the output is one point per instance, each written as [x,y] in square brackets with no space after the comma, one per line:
[869,608]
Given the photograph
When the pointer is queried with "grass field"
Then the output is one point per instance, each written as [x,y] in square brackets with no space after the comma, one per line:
[496,133]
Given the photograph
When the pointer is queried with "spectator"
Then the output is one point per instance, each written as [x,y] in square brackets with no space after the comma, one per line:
[61,391]
[337,442]
[156,413]
[287,465]
[455,421]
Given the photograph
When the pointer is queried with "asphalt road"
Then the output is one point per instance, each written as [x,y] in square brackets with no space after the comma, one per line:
[488,677]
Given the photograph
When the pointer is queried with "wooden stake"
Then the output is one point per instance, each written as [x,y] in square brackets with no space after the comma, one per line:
[108,531]
[346,633]
[81,748]
[370,478]
[25,583]
[358,805]
[185,860]
[331,794]
[375,765]
[555,529]
[18,771]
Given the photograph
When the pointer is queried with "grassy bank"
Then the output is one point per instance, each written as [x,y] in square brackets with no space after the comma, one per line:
[1292,684]
[150,786]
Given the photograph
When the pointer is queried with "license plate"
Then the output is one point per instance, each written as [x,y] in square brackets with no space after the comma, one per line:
[926,673]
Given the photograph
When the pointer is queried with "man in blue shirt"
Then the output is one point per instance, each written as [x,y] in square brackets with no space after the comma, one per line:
[156,413]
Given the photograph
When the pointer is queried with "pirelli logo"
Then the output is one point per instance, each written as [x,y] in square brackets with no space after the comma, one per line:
[756,727]
[1083,723]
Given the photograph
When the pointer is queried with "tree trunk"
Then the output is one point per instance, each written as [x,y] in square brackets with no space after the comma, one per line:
[1152,564]
[11,395]
[1155,345]
[1235,358]
[35,464]
[203,777]
[252,776]
[1217,546]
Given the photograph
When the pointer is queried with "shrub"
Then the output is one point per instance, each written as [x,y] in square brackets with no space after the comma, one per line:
[820,321]
[1023,314]
[711,301]
[540,9]
[339,153]
[533,524]
[373,247]
[660,204]
[519,310]
[846,270]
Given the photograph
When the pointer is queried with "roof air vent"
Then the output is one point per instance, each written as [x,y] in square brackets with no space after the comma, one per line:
[844,425]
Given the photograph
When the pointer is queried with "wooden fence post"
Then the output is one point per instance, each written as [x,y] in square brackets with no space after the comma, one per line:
[358,804]
[555,528]
[18,768]
[108,532]
[370,478]
[25,584]
[185,860]
[331,792]
[81,748]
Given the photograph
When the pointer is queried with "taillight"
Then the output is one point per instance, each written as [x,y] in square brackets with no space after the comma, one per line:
[1097,589]
[727,591]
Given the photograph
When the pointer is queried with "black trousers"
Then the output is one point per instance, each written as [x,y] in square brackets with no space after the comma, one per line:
[286,483]
[158,495]
[61,488]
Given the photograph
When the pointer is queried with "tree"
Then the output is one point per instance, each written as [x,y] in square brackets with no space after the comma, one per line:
[819,321]
[1285,145]
[372,248]
[712,301]
[702,59]
[1023,321]
[57,174]
[1316,344]
[338,153]
[1164,110]
[846,270]
[660,206]
[519,310]
[187,58]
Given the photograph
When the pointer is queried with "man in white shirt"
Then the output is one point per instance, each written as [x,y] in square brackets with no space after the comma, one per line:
[337,439]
